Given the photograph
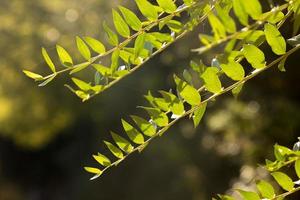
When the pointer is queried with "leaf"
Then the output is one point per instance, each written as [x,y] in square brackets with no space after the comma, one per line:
[120,25]
[64,56]
[249,195]
[81,84]
[147,9]
[79,67]
[115,60]
[281,65]
[283,180]
[102,160]
[92,170]
[112,37]
[226,19]
[114,150]
[240,12]
[188,2]
[187,92]
[254,56]
[176,106]
[96,45]
[275,39]
[217,26]
[139,44]
[253,8]
[32,75]
[211,80]
[198,114]
[122,143]
[234,70]
[83,95]
[132,20]
[83,48]
[266,189]
[159,117]
[175,26]
[146,127]
[237,90]
[48,60]
[104,71]
[297,168]
[167,5]
[132,133]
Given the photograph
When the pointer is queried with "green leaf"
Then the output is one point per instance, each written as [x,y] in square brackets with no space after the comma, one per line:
[147,9]
[281,65]
[175,26]
[146,127]
[48,80]
[83,48]
[176,106]
[122,143]
[234,70]
[32,75]
[48,60]
[281,152]
[249,195]
[83,95]
[139,44]
[211,80]
[115,60]
[96,45]
[253,8]
[93,170]
[254,56]
[297,168]
[240,12]
[79,67]
[112,37]
[104,71]
[120,25]
[102,160]
[283,180]
[114,150]
[237,90]
[226,19]
[275,39]
[217,26]
[187,92]
[81,84]
[159,117]
[167,5]
[132,133]
[132,20]
[64,56]
[198,114]
[188,2]
[266,189]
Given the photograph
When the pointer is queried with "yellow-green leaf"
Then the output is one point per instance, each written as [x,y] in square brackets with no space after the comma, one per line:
[96,45]
[240,12]
[266,189]
[147,9]
[83,48]
[112,37]
[254,56]
[132,133]
[297,168]
[64,56]
[120,25]
[48,60]
[114,150]
[234,70]
[198,114]
[187,92]
[211,80]
[167,5]
[132,20]
[247,195]
[146,127]
[122,143]
[275,39]
[81,84]
[92,170]
[32,75]
[79,67]
[102,159]
[283,180]
[253,8]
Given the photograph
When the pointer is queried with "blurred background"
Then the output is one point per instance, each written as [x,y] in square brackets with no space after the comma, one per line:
[47,135]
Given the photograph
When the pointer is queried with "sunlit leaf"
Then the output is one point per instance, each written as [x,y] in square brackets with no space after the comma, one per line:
[146,127]
[254,56]
[83,48]
[122,143]
[114,150]
[120,25]
[112,37]
[283,180]
[234,70]
[48,60]
[266,189]
[132,20]
[132,133]
[96,45]
[240,12]
[211,80]
[275,39]
[167,5]
[198,114]
[32,75]
[64,56]
[147,9]
[102,159]
[81,84]
[297,168]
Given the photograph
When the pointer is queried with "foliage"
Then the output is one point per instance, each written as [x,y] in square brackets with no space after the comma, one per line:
[163,25]
[285,158]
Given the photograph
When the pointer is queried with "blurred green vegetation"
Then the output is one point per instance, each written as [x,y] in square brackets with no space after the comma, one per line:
[47,134]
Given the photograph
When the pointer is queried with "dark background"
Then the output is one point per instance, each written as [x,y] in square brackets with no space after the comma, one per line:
[47,135]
